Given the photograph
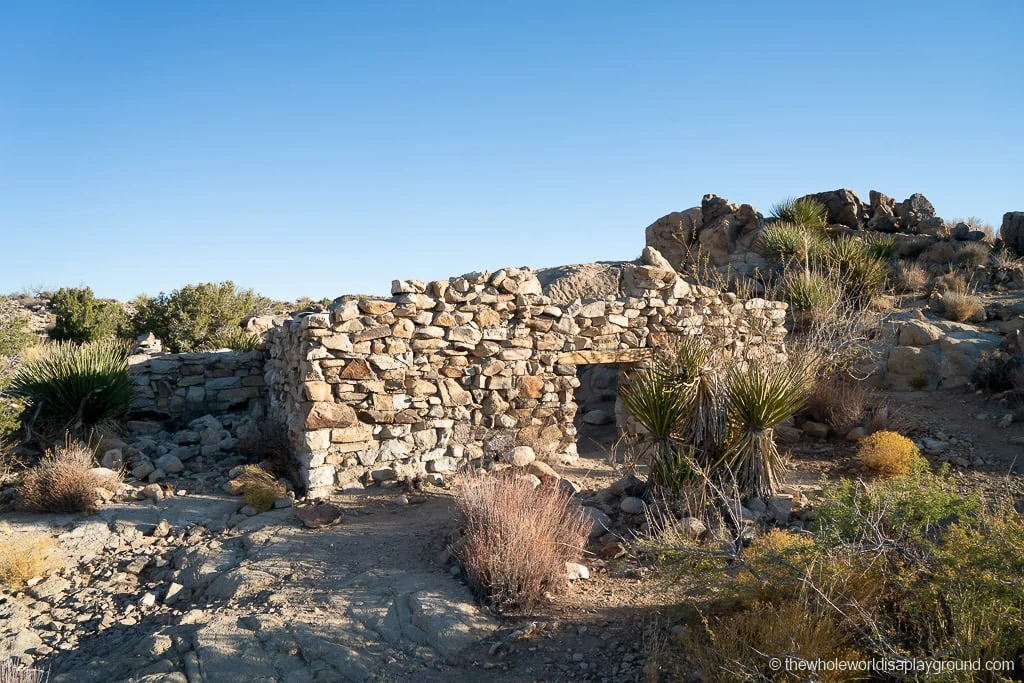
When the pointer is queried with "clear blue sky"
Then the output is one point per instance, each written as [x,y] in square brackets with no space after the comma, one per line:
[323,148]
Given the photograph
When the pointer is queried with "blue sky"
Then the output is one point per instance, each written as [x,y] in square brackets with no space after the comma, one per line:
[324,148]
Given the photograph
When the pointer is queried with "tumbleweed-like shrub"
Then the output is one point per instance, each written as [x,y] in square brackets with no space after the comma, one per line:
[64,481]
[259,487]
[888,453]
[517,538]
[24,556]
[960,307]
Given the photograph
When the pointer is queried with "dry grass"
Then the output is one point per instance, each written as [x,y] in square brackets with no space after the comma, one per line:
[910,277]
[888,453]
[64,481]
[10,672]
[960,307]
[972,255]
[259,487]
[517,538]
[24,556]
[838,401]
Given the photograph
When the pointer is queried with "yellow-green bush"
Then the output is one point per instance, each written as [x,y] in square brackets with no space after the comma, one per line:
[888,453]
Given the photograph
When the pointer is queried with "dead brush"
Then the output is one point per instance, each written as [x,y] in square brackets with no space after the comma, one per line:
[517,539]
[24,556]
[960,307]
[838,401]
[10,672]
[259,488]
[910,277]
[65,480]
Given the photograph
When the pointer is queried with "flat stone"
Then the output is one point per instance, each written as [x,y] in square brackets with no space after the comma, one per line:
[319,515]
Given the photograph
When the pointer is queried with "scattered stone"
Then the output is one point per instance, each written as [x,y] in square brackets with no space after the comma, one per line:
[520,456]
[815,429]
[598,417]
[319,515]
[576,571]
[632,506]
[153,492]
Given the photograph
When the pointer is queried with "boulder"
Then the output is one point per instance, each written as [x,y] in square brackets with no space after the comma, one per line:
[915,210]
[672,234]
[727,229]
[843,207]
[881,206]
[1012,231]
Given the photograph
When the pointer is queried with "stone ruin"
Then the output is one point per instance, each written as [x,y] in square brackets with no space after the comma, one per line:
[447,372]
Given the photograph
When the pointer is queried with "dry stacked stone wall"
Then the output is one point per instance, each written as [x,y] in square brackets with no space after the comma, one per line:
[183,386]
[446,372]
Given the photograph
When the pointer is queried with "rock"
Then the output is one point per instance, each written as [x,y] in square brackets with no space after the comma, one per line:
[153,492]
[856,434]
[598,417]
[843,207]
[542,470]
[632,506]
[283,502]
[401,500]
[629,485]
[780,507]
[600,522]
[319,515]
[815,429]
[691,527]
[565,284]
[576,571]
[162,529]
[169,464]
[113,459]
[173,593]
[919,333]
[787,434]
[249,511]
[881,205]
[933,446]
[143,470]
[519,456]
[1011,231]
[673,233]
[914,210]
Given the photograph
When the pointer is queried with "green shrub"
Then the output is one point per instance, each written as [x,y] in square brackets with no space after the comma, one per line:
[14,339]
[806,212]
[189,318]
[81,317]
[881,246]
[68,387]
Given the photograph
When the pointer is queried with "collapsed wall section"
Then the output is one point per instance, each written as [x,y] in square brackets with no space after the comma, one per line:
[447,372]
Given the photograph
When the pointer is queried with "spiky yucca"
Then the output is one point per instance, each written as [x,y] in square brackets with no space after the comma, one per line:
[760,397]
[807,212]
[660,397]
[73,388]
[234,338]
[783,241]
[861,271]
[813,295]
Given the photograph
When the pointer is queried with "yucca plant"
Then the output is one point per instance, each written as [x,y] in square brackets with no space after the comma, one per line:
[812,294]
[783,241]
[705,424]
[234,338]
[659,397]
[72,388]
[807,212]
[881,246]
[760,396]
[862,273]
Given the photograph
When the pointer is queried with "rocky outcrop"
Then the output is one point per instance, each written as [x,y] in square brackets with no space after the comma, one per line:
[673,234]
[564,284]
[916,212]
[1012,231]
[843,207]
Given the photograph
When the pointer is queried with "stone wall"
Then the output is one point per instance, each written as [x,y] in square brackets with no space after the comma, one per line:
[186,385]
[454,370]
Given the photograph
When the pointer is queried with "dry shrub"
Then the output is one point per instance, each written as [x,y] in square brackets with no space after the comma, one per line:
[972,255]
[997,370]
[517,538]
[24,556]
[65,481]
[960,307]
[10,672]
[888,453]
[838,401]
[259,488]
[950,282]
[270,446]
[910,277]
